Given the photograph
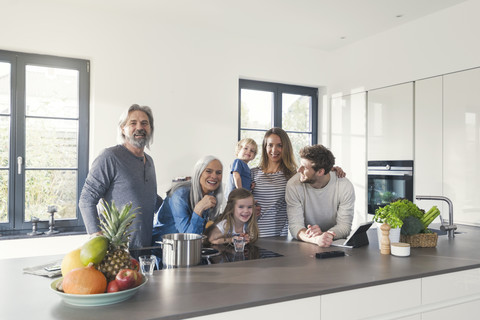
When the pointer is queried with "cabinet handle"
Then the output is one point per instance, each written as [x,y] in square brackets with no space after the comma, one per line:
[19,164]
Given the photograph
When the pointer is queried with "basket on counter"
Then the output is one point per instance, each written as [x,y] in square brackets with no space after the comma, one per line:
[421,240]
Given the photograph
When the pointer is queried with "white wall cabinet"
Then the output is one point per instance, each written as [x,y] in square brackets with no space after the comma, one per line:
[390,123]
[447,143]
[348,137]
[461,123]
[428,160]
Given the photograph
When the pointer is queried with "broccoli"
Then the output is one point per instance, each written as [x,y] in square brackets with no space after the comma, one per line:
[411,225]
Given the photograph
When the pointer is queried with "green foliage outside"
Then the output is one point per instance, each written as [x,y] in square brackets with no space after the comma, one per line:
[296,117]
[50,144]
[4,153]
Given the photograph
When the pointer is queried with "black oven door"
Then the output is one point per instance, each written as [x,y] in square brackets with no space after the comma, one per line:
[388,183]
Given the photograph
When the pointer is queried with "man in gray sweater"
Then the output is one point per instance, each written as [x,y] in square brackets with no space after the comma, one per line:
[319,204]
[125,173]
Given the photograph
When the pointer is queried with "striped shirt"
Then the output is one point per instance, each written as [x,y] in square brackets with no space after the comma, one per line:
[269,191]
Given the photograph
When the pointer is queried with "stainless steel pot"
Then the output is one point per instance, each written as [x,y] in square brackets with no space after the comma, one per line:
[181,249]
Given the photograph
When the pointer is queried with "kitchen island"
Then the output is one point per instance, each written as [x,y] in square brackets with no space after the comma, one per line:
[363,284]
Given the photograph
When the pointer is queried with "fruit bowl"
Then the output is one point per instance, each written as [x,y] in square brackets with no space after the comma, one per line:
[101,299]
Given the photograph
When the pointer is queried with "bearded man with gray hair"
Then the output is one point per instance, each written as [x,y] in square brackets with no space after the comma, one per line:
[125,173]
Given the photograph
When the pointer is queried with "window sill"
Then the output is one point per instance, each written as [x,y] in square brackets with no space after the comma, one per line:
[9,235]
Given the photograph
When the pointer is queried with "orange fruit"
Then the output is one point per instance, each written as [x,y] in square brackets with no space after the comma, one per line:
[85,280]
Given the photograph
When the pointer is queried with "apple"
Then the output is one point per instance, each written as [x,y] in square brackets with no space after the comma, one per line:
[135,264]
[113,286]
[126,279]
[139,279]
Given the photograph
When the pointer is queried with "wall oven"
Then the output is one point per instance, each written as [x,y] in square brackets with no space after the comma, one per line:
[387,181]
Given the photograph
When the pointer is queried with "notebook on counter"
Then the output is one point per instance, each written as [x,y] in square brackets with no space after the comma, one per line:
[356,239]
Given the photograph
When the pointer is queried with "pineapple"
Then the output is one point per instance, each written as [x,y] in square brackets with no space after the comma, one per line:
[115,227]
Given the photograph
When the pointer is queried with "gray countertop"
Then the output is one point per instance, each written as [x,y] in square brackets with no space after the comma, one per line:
[206,289]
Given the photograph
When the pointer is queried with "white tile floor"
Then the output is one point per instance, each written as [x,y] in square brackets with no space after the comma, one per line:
[18,248]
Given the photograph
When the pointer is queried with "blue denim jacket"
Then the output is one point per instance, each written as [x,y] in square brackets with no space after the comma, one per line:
[176,216]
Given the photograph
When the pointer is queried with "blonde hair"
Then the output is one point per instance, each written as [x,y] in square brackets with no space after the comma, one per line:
[288,165]
[246,142]
[228,214]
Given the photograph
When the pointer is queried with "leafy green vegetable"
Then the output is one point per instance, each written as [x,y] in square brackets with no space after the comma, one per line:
[395,212]
[412,225]
[429,216]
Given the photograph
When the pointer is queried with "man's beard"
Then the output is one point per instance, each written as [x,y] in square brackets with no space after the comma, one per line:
[139,142]
[308,181]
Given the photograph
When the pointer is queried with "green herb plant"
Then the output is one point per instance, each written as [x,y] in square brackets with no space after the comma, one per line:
[394,213]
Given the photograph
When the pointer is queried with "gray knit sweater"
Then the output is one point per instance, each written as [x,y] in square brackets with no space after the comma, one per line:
[119,175]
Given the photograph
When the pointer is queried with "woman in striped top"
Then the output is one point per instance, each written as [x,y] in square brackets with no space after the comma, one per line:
[277,165]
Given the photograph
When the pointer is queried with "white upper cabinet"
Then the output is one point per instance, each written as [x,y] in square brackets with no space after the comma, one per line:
[461,176]
[390,123]
[428,161]
[348,133]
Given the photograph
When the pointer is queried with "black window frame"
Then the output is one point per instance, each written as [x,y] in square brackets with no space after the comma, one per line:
[278,89]
[16,210]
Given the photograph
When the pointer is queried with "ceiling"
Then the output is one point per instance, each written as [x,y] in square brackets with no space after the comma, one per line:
[320,24]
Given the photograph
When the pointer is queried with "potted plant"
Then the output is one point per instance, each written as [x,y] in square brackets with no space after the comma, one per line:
[404,217]
[393,214]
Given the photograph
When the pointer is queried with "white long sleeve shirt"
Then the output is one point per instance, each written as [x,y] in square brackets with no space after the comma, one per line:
[331,207]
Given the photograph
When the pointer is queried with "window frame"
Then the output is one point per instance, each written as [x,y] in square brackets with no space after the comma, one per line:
[16,208]
[278,89]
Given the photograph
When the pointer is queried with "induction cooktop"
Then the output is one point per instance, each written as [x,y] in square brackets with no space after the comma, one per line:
[225,253]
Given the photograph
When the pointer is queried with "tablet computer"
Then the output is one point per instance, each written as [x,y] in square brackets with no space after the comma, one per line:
[356,239]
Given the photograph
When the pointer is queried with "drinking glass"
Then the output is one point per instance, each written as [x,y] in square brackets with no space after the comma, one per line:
[147,264]
[239,243]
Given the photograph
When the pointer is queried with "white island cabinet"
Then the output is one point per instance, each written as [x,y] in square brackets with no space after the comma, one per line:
[449,296]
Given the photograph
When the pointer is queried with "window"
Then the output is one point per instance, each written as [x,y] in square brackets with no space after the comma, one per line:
[263,105]
[43,140]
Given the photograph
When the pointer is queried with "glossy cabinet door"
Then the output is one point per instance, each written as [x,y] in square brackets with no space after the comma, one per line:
[348,136]
[390,123]
[461,174]
[428,160]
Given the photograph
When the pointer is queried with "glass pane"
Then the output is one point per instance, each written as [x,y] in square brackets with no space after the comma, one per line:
[51,92]
[256,109]
[45,188]
[4,140]
[5,88]
[51,143]
[3,196]
[299,140]
[258,137]
[296,112]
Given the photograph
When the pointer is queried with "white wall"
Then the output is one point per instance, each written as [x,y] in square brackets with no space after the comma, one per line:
[187,73]
[436,44]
